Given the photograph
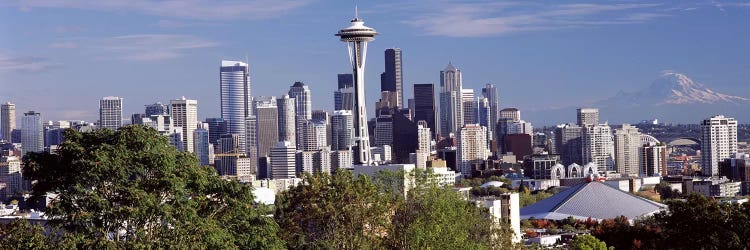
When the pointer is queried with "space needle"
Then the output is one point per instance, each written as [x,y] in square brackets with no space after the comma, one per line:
[356,37]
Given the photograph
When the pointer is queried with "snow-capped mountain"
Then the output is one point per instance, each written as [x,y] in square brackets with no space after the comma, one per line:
[674,88]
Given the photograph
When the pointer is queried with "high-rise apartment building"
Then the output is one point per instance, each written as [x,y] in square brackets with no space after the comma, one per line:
[483,115]
[32,133]
[283,160]
[236,100]
[323,117]
[7,120]
[718,142]
[451,101]
[599,146]
[627,150]
[392,79]
[110,112]
[287,116]
[267,128]
[587,116]
[185,114]
[424,106]
[344,94]
[653,159]
[472,148]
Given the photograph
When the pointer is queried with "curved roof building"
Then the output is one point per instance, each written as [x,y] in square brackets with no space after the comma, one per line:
[591,200]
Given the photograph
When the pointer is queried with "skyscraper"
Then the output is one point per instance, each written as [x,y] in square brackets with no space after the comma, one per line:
[185,115]
[468,105]
[303,106]
[201,144]
[322,117]
[110,112]
[344,95]
[490,92]
[424,105]
[384,130]
[283,160]
[423,145]
[391,80]
[287,116]
[342,130]
[267,129]
[405,137]
[7,120]
[627,155]
[472,148]
[451,102]
[345,81]
[216,128]
[157,109]
[588,116]
[718,142]
[653,159]
[236,100]
[356,37]
[510,113]
[569,144]
[32,132]
[483,114]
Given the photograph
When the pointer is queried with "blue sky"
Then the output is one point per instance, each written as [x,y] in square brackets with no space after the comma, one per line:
[60,57]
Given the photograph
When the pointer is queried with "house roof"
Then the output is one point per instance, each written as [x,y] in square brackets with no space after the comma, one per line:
[591,200]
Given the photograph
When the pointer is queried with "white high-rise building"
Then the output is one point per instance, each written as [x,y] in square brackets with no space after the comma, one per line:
[653,159]
[627,150]
[451,102]
[512,114]
[7,120]
[472,148]
[287,119]
[342,129]
[236,100]
[423,145]
[314,135]
[283,160]
[185,114]
[356,37]
[11,180]
[32,132]
[110,112]
[718,142]
[588,116]
[599,146]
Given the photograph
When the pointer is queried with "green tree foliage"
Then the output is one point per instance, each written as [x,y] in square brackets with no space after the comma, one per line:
[700,221]
[344,212]
[334,212]
[19,234]
[587,242]
[666,192]
[131,189]
[619,233]
[437,218]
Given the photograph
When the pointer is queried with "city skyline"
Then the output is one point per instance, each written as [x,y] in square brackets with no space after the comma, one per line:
[173,55]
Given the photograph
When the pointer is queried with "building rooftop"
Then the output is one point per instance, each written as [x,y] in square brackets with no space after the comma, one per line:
[591,200]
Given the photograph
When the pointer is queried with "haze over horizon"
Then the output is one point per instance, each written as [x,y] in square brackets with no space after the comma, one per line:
[60,57]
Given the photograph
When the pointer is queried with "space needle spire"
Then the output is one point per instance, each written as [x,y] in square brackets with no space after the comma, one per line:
[356,37]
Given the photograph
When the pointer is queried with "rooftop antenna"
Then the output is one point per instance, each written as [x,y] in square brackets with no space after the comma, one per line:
[356,12]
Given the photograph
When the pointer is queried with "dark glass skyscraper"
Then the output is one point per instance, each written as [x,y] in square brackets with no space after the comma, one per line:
[216,128]
[391,80]
[346,81]
[424,105]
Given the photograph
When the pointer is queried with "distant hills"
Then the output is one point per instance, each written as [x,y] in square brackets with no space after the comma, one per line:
[672,97]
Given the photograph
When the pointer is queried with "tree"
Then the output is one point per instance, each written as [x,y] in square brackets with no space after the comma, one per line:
[587,242]
[19,234]
[437,218]
[334,212]
[131,189]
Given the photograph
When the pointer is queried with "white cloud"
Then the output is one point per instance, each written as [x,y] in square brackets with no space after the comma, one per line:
[484,18]
[151,47]
[24,63]
[190,9]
